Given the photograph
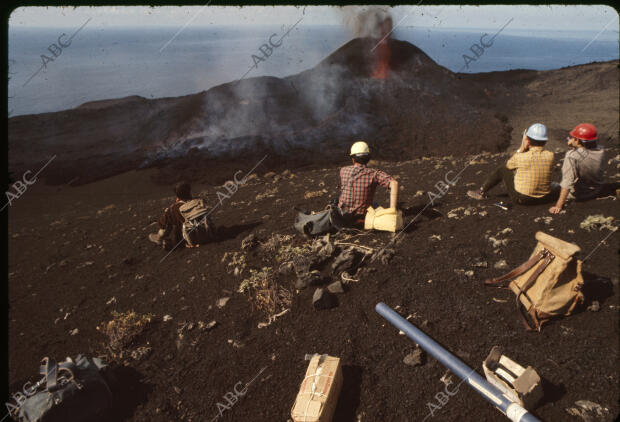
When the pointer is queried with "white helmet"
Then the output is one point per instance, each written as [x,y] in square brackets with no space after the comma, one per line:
[537,132]
[360,148]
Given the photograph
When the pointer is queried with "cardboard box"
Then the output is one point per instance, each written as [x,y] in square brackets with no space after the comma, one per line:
[519,384]
[318,394]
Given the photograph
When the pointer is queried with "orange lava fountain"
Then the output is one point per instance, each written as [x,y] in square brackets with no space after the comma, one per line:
[382,51]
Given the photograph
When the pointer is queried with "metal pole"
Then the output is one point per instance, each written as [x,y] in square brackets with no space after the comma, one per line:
[512,410]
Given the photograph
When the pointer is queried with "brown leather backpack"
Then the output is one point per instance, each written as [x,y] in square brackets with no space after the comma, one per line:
[548,284]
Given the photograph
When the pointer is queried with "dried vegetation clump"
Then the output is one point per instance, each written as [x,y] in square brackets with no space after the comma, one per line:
[264,291]
[122,331]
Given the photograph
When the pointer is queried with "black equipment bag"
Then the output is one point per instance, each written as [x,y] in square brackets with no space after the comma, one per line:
[74,390]
[329,220]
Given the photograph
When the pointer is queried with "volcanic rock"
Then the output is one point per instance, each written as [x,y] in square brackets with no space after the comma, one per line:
[414,358]
[323,299]
[344,262]
[306,279]
[305,263]
[336,287]
[588,411]
[249,242]
[221,302]
[595,306]
[500,265]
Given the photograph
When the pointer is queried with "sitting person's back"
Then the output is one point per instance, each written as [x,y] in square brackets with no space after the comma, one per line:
[527,174]
[186,221]
[359,183]
[583,167]
[532,171]
[582,171]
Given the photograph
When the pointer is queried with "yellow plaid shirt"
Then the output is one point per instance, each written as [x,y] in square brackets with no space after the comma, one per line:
[533,171]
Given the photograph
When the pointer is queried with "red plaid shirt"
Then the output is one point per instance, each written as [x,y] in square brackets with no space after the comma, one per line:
[358,184]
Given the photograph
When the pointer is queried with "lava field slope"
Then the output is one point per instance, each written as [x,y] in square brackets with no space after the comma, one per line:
[74,249]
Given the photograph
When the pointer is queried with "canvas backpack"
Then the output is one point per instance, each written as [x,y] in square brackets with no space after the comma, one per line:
[73,390]
[198,226]
[547,285]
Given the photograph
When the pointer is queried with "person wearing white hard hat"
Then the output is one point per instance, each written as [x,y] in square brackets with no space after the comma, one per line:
[359,182]
[527,174]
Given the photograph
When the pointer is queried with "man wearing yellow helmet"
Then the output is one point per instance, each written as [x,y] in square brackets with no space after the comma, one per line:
[359,182]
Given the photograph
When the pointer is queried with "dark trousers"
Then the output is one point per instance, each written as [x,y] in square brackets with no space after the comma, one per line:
[503,174]
[171,222]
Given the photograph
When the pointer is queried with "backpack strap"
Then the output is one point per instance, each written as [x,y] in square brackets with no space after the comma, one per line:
[502,280]
[543,255]
[522,291]
[50,369]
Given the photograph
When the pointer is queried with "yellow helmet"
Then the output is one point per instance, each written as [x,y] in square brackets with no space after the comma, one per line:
[360,148]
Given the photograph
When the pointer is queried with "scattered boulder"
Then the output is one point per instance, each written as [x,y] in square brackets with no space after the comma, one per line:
[547,220]
[249,242]
[336,287]
[498,242]
[269,193]
[480,263]
[595,306]
[106,209]
[383,255]
[414,358]
[221,302]
[588,411]
[597,222]
[286,268]
[207,326]
[306,279]
[305,263]
[236,344]
[500,265]
[323,247]
[324,299]
[344,262]
[461,212]
[315,194]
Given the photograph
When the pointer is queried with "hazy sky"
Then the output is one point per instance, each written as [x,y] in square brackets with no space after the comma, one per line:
[593,18]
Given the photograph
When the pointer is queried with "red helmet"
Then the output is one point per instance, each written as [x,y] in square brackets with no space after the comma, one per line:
[584,131]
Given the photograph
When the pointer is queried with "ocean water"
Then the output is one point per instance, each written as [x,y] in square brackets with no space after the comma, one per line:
[102,63]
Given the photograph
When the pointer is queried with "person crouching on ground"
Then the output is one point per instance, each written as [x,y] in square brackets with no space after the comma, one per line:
[583,167]
[358,184]
[527,174]
[186,221]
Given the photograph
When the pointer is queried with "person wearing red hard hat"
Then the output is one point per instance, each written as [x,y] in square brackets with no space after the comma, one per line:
[583,168]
